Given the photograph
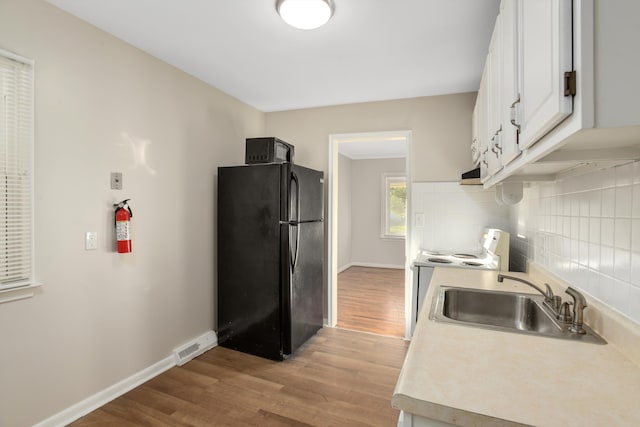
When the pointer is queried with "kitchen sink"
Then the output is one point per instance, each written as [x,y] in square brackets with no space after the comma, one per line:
[502,311]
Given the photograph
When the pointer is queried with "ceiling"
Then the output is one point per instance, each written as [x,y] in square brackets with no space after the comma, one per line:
[388,148]
[371,50]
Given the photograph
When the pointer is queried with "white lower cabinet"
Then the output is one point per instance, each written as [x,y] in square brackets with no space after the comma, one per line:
[421,278]
[411,420]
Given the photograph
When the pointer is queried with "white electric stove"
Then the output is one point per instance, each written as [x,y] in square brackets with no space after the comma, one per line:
[494,256]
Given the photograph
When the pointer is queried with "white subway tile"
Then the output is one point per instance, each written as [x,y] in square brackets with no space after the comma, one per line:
[635,235]
[635,200]
[566,205]
[584,229]
[566,226]
[575,205]
[584,253]
[594,230]
[607,231]
[559,222]
[594,256]
[608,205]
[607,260]
[575,251]
[635,268]
[595,203]
[636,172]
[583,199]
[623,202]
[575,227]
[622,228]
[622,264]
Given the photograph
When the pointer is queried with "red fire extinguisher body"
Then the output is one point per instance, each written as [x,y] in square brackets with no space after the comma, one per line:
[123,227]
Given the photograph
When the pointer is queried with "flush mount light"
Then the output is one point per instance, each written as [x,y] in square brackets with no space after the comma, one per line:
[305,14]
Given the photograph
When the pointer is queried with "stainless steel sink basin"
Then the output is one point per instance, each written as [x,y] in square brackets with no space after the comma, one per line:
[502,311]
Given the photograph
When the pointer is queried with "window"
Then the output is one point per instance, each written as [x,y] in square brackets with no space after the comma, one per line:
[394,217]
[16,171]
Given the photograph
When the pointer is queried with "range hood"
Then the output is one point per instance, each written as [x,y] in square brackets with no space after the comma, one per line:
[471,178]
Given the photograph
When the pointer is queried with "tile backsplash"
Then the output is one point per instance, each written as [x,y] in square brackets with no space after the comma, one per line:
[586,230]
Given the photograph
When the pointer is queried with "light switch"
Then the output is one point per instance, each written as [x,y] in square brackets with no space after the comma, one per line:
[91,241]
[419,221]
[116,180]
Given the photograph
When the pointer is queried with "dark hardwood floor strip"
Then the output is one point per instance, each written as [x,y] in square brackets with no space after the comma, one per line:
[371,300]
[338,378]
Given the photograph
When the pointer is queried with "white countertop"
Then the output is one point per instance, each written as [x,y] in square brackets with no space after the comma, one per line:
[471,377]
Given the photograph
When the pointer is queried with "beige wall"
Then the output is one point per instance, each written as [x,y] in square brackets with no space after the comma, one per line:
[367,245]
[103,106]
[344,211]
[441,128]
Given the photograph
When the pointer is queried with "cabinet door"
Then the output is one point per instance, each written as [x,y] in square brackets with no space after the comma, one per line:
[475,144]
[482,105]
[545,55]
[494,91]
[509,80]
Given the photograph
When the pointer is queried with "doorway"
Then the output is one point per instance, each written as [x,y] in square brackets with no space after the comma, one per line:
[374,266]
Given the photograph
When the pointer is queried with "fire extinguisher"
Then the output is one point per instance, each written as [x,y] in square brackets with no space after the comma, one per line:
[123,217]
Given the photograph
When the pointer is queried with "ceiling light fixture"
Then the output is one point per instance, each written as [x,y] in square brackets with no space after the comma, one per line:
[305,14]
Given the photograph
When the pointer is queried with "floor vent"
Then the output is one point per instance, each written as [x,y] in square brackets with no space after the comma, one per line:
[195,348]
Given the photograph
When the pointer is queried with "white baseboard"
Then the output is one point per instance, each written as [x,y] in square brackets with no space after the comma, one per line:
[374,265]
[82,408]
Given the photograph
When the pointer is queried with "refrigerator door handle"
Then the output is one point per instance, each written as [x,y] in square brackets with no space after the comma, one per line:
[296,220]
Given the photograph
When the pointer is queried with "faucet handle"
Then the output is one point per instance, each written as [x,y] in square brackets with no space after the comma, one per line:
[564,314]
[548,290]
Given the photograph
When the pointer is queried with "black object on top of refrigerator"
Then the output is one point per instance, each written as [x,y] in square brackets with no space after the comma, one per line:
[270,257]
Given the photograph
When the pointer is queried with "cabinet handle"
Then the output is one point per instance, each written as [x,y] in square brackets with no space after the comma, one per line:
[513,113]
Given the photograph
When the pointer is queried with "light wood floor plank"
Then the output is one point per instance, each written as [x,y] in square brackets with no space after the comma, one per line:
[371,300]
[338,378]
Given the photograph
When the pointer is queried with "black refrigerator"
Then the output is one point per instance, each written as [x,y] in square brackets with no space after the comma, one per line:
[270,257]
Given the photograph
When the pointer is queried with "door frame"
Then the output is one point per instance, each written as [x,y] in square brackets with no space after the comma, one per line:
[332,223]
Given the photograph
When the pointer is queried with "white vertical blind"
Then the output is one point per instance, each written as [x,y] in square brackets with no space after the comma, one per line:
[16,171]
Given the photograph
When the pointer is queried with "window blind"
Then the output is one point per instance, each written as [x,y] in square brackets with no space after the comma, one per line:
[16,171]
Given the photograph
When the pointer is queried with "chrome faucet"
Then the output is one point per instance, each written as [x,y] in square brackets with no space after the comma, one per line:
[552,301]
[579,304]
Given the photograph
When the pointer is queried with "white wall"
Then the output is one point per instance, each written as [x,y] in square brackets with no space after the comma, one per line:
[367,245]
[454,216]
[586,230]
[344,212]
[103,106]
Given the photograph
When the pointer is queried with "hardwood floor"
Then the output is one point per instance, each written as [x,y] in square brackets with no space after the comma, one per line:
[338,378]
[371,300]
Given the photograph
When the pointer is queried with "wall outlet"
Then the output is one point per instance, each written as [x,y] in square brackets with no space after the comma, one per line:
[116,180]
[419,220]
[91,241]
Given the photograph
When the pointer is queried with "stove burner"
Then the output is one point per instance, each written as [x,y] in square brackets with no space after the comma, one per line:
[472,264]
[434,253]
[467,256]
[439,260]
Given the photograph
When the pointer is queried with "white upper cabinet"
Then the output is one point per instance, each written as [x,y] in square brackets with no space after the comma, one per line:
[566,94]
[545,55]
[509,94]
[483,123]
[493,103]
